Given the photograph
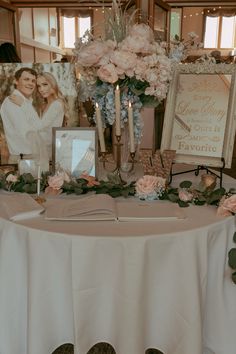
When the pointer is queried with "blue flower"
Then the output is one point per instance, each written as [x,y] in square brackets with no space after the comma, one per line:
[104,96]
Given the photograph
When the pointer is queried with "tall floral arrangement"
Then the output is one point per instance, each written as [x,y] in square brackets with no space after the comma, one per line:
[129,57]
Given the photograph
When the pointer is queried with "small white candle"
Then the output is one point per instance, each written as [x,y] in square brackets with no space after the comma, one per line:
[100,129]
[117,107]
[131,127]
[38,180]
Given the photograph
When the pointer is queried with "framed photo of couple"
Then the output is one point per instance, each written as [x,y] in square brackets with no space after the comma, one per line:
[34,99]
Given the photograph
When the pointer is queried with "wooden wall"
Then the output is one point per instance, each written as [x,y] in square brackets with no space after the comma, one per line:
[39,35]
[6,29]
[193,21]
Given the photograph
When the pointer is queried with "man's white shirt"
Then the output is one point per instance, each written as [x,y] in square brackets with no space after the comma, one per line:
[22,122]
[17,124]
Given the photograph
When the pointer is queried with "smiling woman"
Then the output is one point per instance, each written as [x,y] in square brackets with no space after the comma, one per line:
[49,92]
[43,96]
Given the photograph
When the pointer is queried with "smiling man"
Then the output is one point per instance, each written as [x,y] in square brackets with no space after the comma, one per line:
[19,122]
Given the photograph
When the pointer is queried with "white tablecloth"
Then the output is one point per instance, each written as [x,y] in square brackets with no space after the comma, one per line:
[163,285]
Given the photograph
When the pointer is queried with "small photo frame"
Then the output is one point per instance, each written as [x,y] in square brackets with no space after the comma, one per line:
[75,150]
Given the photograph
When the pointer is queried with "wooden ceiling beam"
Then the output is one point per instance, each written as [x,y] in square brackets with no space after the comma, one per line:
[60,3]
[108,3]
[202,3]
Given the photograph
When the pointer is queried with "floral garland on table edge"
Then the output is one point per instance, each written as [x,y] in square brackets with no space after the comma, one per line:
[145,188]
[130,57]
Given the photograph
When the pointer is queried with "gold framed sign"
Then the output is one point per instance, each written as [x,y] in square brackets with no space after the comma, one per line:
[200,119]
[75,151]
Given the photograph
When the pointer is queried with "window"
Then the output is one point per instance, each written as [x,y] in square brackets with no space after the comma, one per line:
[74,25]
[220,29]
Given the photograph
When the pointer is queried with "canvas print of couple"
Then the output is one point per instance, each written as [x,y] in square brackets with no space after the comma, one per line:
[35,98]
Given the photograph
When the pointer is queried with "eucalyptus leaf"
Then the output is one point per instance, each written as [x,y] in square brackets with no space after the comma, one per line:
[201,187]
[173,198]
[199,202]
[27,178]
[232,258]
[234,277]
[30,188]
[234,237]
[185,184]
[183,204]
[201,198]
[173,191]
[19,187]
[216,195]
[113,178]
[78,191]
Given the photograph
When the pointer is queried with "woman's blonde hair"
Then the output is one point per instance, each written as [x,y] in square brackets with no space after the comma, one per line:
[58,94]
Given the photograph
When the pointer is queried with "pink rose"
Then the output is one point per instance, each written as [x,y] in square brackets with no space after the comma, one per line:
[124,60]
[107,73]
[229,204]
[136,44]
[223,212]
[148,185]
[91,54]
[11,178]
[56,182]
[185,196]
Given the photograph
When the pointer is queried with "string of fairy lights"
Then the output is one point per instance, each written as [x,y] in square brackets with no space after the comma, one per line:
[198,13]
[190,15]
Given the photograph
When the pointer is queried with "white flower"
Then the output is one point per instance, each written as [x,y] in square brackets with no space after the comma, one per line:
[11,178]
[152,76]
[150,187]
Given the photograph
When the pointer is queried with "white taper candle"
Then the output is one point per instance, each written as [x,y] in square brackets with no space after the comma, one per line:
[131,127]
[117,108]
[100,129]
[38,180]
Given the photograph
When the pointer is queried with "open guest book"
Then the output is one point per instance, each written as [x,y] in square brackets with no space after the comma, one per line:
[103,207]
[19,206]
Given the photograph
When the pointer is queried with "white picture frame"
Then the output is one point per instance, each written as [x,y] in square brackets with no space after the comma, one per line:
[75,150]
[200,119]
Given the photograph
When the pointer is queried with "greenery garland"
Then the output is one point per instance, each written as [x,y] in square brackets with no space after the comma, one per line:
[26,183]
[202,195]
